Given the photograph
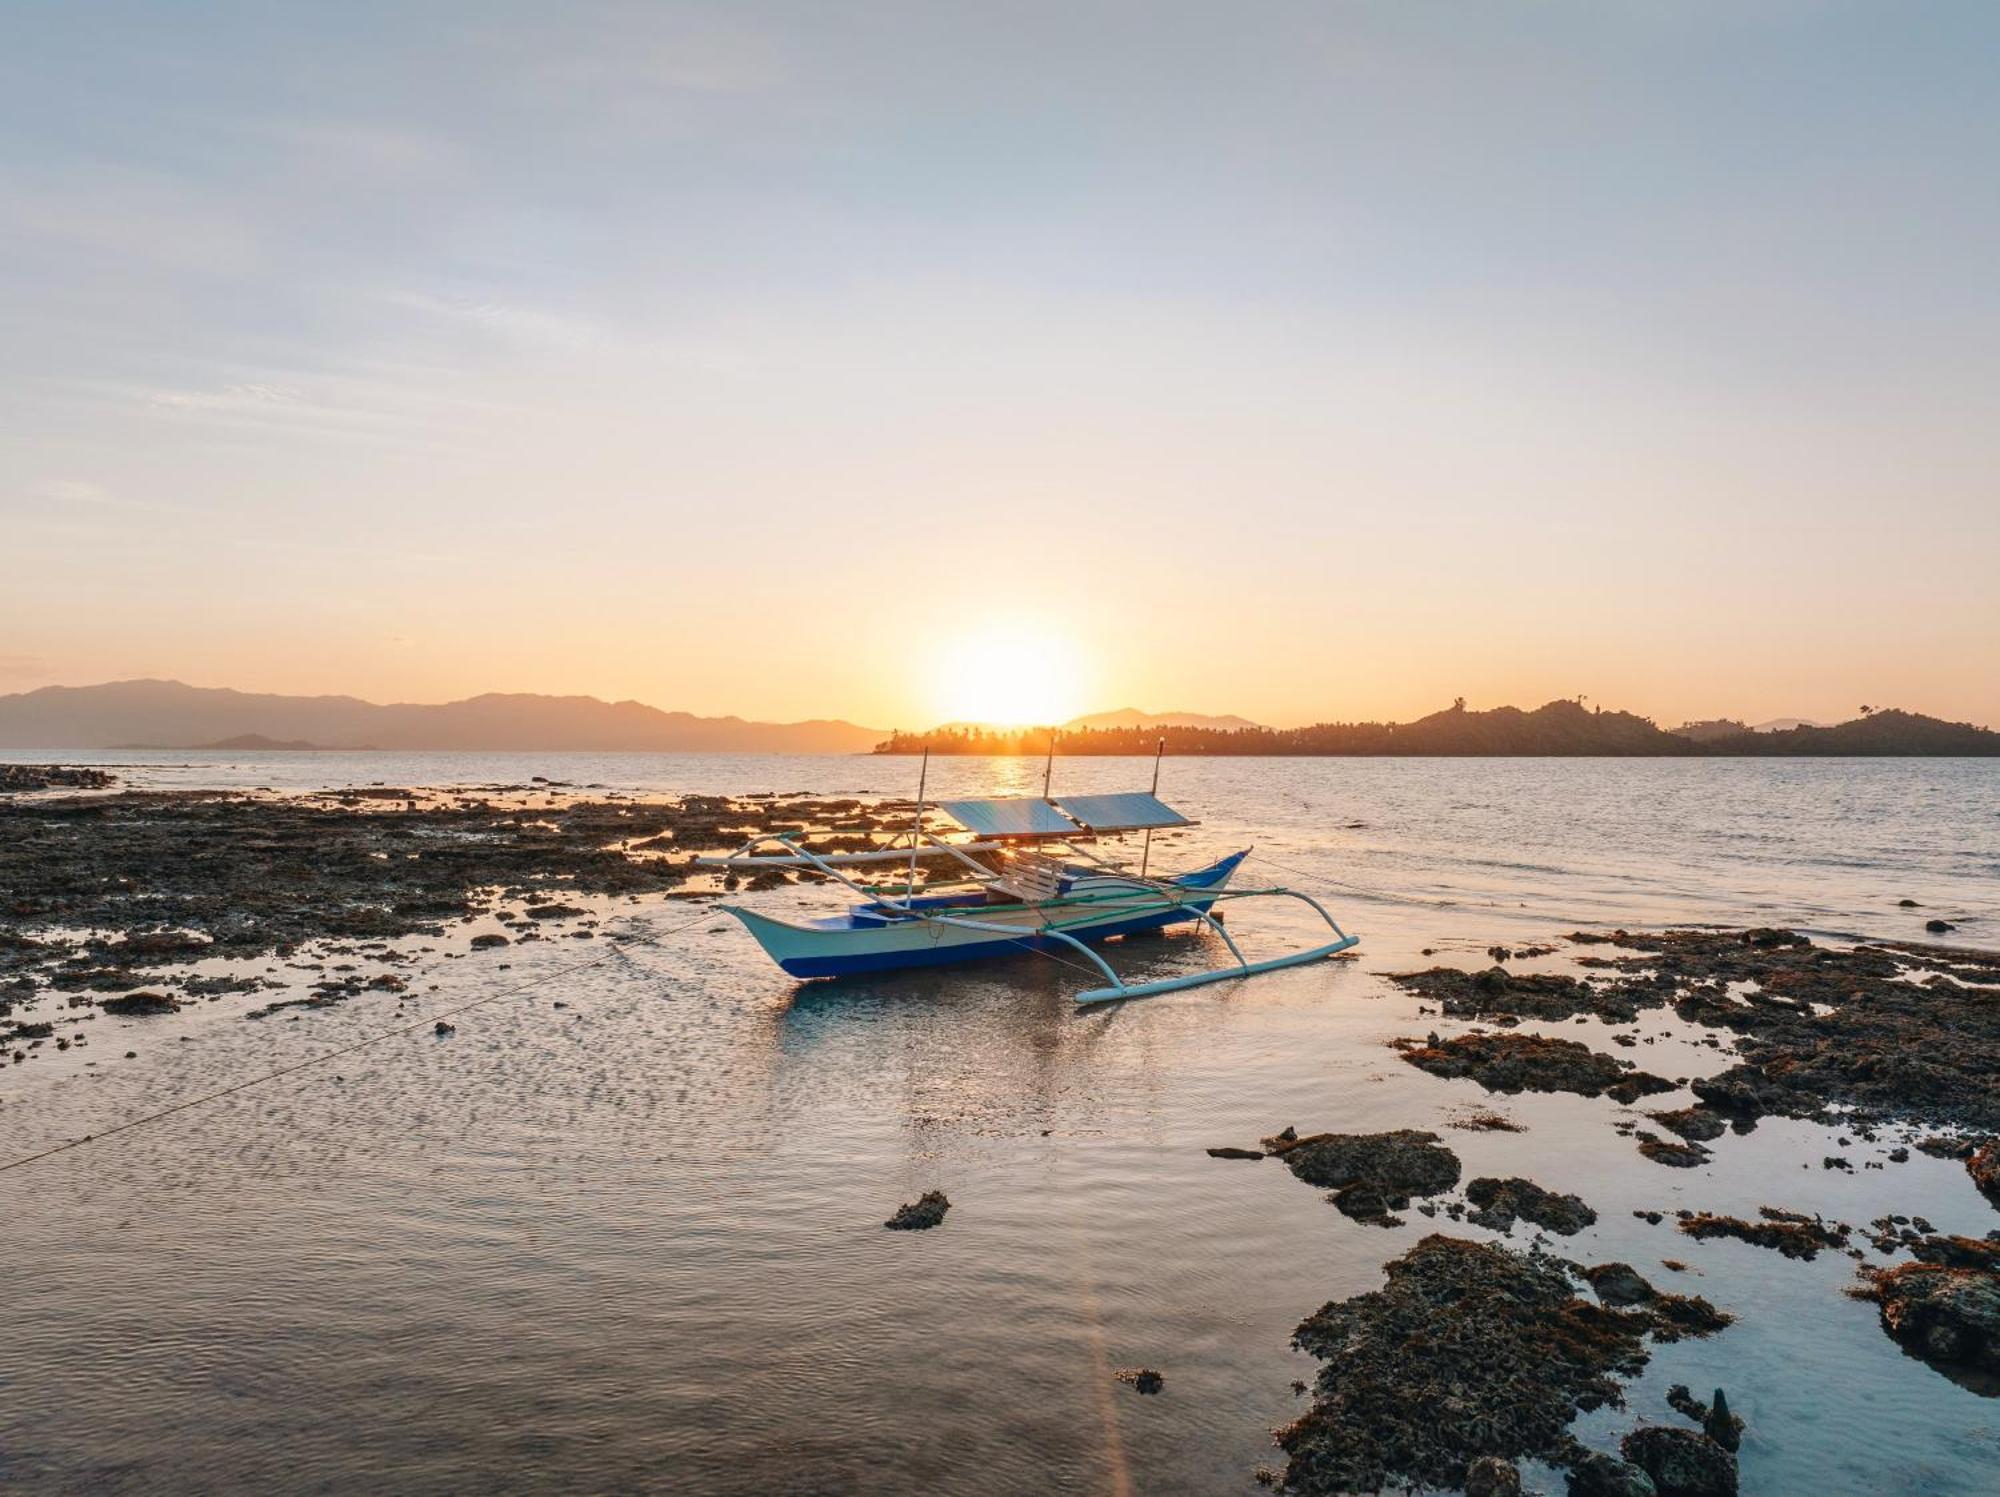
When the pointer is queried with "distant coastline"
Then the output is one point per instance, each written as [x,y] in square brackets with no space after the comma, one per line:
[1557,730]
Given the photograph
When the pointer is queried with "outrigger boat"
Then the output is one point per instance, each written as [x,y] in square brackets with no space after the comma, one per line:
[1041,886]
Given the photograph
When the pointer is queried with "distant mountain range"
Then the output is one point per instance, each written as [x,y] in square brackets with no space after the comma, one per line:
[170,714]
[1559,728]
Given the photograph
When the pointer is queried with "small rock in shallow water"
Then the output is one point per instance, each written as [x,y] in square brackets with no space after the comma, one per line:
[140,1003]
[1681,1156]
[1681,1462]
[1938,927]
[1601,1475]
[1372,1174]
[443,1028]
[1948,1317]
[1723,1427]
[921,1214]
[1984,1167]
[1492,1476]
[1227,1152]
[1619,1284]
[1792,1233]
[1143,1379]
[1501,1201]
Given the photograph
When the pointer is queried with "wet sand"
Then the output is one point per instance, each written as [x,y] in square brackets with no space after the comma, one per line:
[1792,1087]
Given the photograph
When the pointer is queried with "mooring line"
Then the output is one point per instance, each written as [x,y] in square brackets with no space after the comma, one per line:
[431,1018]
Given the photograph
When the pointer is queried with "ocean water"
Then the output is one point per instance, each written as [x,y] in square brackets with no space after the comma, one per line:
[634,1244]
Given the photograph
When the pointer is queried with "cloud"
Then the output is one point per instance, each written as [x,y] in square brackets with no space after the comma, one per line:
[130,215]
[73,491]
[508,320]
[249,397]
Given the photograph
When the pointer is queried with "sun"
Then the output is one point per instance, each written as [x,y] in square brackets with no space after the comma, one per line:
[1008,676]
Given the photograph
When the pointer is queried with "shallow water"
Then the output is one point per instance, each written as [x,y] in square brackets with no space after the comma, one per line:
[635,1243]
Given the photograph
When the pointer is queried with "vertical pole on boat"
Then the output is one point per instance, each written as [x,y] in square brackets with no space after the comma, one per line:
[917,824]
[1049,768]
[1146,853]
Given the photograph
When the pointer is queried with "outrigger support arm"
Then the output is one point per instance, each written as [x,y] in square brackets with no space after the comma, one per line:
[1121,990]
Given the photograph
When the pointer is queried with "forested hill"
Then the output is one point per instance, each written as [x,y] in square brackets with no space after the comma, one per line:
[1555,730]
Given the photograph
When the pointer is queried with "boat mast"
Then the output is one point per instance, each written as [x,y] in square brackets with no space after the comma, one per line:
[917,824]
[1049,768]
[1146,853]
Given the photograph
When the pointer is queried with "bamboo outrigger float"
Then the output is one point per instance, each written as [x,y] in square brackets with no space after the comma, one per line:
[1042,888]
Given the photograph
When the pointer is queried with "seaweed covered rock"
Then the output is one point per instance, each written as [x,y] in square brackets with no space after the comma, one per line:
[1531,1063]
[1681,1462]
[1373,1174]
[1680,1156]
[140,1003]
[1695,1124]
[1599,1475]
[1492,1476]
[1501,1202]
[1791,1233]
[1510,1354]
[1948,1317]
[1861,1028]
[921,1214]
[1984,1167]
[1471,995]
[1619,1284]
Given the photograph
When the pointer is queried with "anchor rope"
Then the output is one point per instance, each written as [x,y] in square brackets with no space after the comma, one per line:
[620,942]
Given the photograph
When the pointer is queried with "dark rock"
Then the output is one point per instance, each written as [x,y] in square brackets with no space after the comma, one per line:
[1142,1379]
[1792,1233]
[921,1214]
[1372,1174]
[1681,1462]
[1681,1399]
[1227,1152]
[1696,1124]
[1510,1355]
[441,1027]
[1939,927]
[140,1003]
[1948,1317]
[1501,1201]
[1680,1156]
[1942,1146]
[1599,1475]
[15,778]
[1492,1476]
[1530,1062]
[489,938]
[1619,1284]
[1721,1426]
[1496,991]
[1984,1167]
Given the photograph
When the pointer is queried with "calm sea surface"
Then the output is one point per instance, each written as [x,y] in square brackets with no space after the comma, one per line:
[634,1243]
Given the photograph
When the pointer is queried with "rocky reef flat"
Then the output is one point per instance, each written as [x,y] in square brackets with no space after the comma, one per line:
[1490,1341]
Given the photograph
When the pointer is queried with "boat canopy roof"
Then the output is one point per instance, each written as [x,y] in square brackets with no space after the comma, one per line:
[1130,812]
[1032,816]
[1014,816]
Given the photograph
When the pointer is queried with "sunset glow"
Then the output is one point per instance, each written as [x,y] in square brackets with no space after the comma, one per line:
[1008,675]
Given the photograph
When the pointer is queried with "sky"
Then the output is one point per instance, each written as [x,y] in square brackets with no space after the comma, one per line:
[1300,360]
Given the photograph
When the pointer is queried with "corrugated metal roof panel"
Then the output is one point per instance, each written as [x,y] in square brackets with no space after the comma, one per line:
[1017,816]
[1131,812]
